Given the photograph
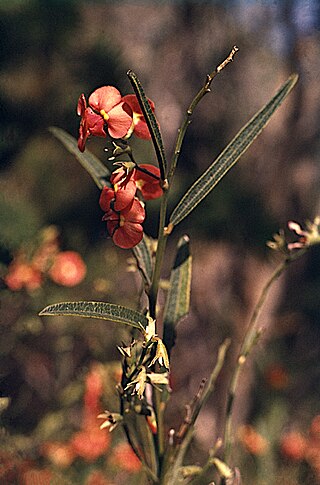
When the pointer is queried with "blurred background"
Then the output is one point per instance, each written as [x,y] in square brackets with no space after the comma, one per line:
[59,373]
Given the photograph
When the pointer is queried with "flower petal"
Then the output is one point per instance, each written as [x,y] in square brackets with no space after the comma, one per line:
[105,98]
[148,185]
[124,195]
[132,101]
[128,236]
[82,104]
[95,123]
[106,196]
[119,121]
[134,213]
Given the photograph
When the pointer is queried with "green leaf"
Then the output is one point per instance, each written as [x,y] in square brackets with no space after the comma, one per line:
[178,298]
[97,309]
[230,155]
[90,162]
[151,122]
[143,254]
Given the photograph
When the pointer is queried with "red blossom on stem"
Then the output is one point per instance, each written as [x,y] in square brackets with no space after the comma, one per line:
[139,126]
[125,226]
[124,187]
[106,108]
[148,185]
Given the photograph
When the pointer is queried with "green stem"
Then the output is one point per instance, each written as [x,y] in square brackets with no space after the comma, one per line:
[162,241]
[250,339]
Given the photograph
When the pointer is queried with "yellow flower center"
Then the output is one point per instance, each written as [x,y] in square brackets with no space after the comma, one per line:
[140,183]
[122,221]
[104,115]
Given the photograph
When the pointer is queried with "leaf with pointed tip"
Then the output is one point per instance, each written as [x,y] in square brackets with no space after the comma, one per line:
[143,255]
[97,309]
[230,155]
[88,160]
[151,122]
[178,298]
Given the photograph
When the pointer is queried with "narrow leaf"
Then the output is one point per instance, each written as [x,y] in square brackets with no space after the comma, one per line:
[143,254]
[151,122]
[230,155]
[178,298]
[88,160]
[97,309]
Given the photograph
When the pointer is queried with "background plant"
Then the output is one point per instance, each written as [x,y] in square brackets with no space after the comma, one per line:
[235,212]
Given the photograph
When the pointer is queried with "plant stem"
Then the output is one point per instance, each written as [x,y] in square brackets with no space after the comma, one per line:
[187,428]
[251,337]
[187,119]
[162,241]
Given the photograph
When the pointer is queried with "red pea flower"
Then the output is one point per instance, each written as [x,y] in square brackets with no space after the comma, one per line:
[139,125]
[90,124]
[125,226]
[124,188]
[148,185]
[105,108]
[106,196]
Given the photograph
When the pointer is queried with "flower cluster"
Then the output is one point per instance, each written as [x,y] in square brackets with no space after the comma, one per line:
[90,442]
[109,112]
[65,268]
[124,212]
[306,237]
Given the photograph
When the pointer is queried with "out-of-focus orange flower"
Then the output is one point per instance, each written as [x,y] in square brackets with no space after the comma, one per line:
[315,428]
[60,454]
[277,377]
[68,269]
[22,275]
[91,443]
[253,441]
[93,392]
[293,446]
[36,476]
[97,478]
[124,457]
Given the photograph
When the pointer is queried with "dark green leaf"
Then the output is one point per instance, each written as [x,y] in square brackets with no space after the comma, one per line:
[97,309]
[178,298]
[143,254]
[151,122]
[90,162]
[230,155]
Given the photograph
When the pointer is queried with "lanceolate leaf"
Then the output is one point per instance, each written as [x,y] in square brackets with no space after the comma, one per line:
[151,122]
[97,309]
[90,162]
[178,298]
[143,255]
[230,155]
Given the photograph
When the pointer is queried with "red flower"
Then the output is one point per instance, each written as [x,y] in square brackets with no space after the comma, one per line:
[124,188]
[125,226]
[105,107]
[68,269]
[139,125]
[60,454]
[90,443]
[90,124]
[293,446]
[148,185]
[124,457]
[106,196]
[22,274]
